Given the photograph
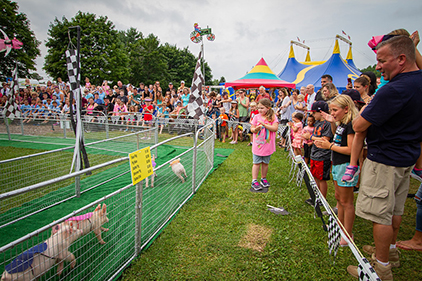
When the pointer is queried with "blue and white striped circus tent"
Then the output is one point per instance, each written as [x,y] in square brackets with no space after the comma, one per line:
[308,72]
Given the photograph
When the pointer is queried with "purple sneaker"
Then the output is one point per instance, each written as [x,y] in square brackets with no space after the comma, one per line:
[351,173]
[265,183]
[256,186]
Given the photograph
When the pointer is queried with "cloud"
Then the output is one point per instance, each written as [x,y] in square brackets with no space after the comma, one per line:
[245,30]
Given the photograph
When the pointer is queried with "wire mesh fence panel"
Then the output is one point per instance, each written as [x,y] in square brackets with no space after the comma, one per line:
[52,164]
[25,171]
[95,259]
[204,156]
[58,127]
[36,256]
[19,206]
[98,261]
[161,199]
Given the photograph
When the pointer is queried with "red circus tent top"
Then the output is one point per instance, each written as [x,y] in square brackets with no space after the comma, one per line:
[260,75]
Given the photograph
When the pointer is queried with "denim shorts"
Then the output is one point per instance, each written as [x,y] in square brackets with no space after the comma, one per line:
[261,159]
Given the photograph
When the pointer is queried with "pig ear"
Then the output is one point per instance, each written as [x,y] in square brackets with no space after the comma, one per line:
[104,208]
[98,208]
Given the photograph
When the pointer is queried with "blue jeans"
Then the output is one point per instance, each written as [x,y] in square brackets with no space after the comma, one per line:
[418,199]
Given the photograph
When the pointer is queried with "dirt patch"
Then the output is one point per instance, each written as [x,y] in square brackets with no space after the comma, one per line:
[256,237]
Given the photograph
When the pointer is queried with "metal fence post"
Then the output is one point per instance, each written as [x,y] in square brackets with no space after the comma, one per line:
[156,135]
[21,121]
[106,126]
[138,218]
[195,143]
[6,121]
[214,127]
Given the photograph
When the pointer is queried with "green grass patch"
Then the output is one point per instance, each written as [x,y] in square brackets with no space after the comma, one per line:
[209,238]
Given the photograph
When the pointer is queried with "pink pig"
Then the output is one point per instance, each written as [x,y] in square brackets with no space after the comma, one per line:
[36,261]
[91,222]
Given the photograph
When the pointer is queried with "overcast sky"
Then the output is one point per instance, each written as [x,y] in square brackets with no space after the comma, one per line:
[245,30]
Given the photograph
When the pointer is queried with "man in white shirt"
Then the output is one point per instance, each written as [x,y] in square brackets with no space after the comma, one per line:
[311,95]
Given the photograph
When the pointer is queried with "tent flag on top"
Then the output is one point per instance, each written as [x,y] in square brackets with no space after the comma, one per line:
[259,75]
[303,74]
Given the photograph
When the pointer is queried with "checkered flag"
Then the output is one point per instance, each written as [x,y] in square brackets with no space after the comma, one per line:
[195,105]
[333,235]
[366,272]
[72,69]
[11,108]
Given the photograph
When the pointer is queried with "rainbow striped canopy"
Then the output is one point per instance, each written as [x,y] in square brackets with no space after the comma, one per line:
[260,75]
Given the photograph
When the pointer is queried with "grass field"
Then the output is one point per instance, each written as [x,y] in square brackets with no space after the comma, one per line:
[226,232]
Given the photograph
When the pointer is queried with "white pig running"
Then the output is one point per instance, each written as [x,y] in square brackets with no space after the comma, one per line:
[153,173]
[178,169]
[36,261]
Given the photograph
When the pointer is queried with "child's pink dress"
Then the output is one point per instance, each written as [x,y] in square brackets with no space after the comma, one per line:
[297,136]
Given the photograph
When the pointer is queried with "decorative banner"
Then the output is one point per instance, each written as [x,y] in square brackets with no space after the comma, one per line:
[6,45]
[140,164]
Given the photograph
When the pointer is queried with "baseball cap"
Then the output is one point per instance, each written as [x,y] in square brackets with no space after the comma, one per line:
[320,106]
[182,82]
[354,95]
[148,99]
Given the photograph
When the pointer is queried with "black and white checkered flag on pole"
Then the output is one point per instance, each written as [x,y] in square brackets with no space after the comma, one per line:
[195,105]
[333,235]
[72,70]
[11,108]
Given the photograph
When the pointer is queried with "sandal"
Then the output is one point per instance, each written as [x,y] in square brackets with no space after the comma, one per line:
[405,246]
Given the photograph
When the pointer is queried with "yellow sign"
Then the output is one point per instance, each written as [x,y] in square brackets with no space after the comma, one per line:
[140,164]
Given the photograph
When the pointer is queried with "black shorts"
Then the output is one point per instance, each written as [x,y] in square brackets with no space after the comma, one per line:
[243,119]
[307,150]
[223,129]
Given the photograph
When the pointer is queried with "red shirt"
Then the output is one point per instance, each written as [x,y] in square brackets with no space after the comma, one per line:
[253,113]
[148,112]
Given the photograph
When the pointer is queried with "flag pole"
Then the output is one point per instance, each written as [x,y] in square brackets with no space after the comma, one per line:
[203,59]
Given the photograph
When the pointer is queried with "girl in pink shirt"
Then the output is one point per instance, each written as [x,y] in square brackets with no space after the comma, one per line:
[296,132]
[264,128]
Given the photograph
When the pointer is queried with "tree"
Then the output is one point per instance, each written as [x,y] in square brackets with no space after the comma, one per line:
[181,65]
[371,68]
[152,62]
[103,55]
[16,24]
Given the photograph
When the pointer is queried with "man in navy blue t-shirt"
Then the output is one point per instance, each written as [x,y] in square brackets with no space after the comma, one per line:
[393,120]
